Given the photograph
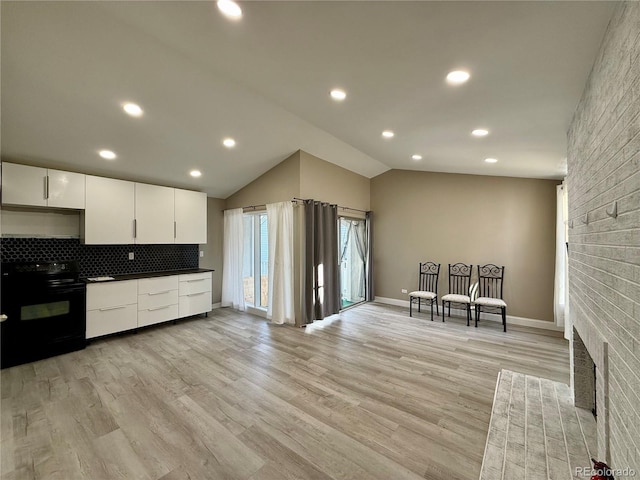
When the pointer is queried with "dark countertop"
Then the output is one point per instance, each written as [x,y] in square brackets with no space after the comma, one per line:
[136,276]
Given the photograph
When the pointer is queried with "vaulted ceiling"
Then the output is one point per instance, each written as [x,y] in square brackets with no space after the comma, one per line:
[264,80]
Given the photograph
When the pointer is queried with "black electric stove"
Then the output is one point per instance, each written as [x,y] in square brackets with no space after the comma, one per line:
[44,311]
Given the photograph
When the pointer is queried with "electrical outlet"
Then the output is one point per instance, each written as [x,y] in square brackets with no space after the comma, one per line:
[404,290]
[131,256]
[201,253]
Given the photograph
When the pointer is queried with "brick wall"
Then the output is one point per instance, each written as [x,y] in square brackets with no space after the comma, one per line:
[604,252]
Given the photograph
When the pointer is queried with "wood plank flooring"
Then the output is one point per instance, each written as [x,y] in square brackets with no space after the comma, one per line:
[373,394]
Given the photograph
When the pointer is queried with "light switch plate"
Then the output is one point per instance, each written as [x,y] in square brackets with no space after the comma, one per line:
[131,256]
[201,253]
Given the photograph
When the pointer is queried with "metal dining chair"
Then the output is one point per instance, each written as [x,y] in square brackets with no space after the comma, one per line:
[490,282]
[427,292]
[459,282]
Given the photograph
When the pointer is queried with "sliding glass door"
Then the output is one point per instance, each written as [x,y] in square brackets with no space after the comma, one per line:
[353,254]
[255,264]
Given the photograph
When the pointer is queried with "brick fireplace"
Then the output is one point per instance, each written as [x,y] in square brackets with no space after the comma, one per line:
[590,385]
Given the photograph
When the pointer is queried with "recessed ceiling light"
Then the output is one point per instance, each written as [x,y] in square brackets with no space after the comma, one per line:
[230,9]
[338,94]
[417,157]
[132,109]
[229,142]
[195,173]
[107,154]
[480,132]
[388,134]
[491,160]
[458,77]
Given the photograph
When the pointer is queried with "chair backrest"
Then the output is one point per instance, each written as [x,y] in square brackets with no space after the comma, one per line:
[490,279]
[429,273]
[460,278]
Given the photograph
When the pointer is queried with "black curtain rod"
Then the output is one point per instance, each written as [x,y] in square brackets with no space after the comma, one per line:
[297,200]
[339,206]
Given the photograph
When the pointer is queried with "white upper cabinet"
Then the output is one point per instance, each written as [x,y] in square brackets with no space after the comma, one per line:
[40,187]
[24,185]
[66,189]
[154,214]
[109,212]
[115,211]
[191,216]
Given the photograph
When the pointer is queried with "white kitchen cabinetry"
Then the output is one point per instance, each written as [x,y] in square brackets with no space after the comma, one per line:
[23,185]
[194,294]
[65,189]
[111,307]
[157,300]
[190,216]
[41,187]
[154,213]
[110,211]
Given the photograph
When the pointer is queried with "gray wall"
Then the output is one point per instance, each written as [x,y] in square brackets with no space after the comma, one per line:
[213,249]
[604,254]
[448,218]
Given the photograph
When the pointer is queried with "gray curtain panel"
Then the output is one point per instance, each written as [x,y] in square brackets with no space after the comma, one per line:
[321,292]
[369,297]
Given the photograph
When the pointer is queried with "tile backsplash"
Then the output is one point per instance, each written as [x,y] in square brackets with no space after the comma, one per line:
[96,260]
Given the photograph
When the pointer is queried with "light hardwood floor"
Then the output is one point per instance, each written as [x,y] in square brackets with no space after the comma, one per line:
[374,394]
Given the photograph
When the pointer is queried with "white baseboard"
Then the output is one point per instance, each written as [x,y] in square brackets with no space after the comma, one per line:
[216,305]
[392,301]
[511,320]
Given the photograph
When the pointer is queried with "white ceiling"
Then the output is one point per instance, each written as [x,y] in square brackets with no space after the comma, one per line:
[265,81]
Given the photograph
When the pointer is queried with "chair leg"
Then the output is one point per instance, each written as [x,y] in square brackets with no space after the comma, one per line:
[443,310]
[432,309]
[468,314]
[419,302]
[437,311]
[477,314]
[504,319]
[410,306]
[449,313]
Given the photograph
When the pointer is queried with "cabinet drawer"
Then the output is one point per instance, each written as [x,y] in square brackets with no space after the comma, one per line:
[160,299]
[157,315]
[157,284]
[112,320]
[189,277]
[112,294]
[196,283]
[194,304]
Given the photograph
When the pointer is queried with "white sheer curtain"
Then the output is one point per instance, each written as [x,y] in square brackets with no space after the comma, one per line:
[281,305]
[561,254]
[232,281]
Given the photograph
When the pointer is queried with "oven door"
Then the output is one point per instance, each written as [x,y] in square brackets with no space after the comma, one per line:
[42,322]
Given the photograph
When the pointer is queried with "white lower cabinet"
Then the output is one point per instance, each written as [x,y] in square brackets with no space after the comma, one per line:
[157,300]
[195,294]
[151,316]
[111,307]
[125,305]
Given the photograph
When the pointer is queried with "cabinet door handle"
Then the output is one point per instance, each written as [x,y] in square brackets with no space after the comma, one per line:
[197,280]
[135,228]
[196,294]
[112,308]
[175,229]
[158,308]
[158,293]
[46,187]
